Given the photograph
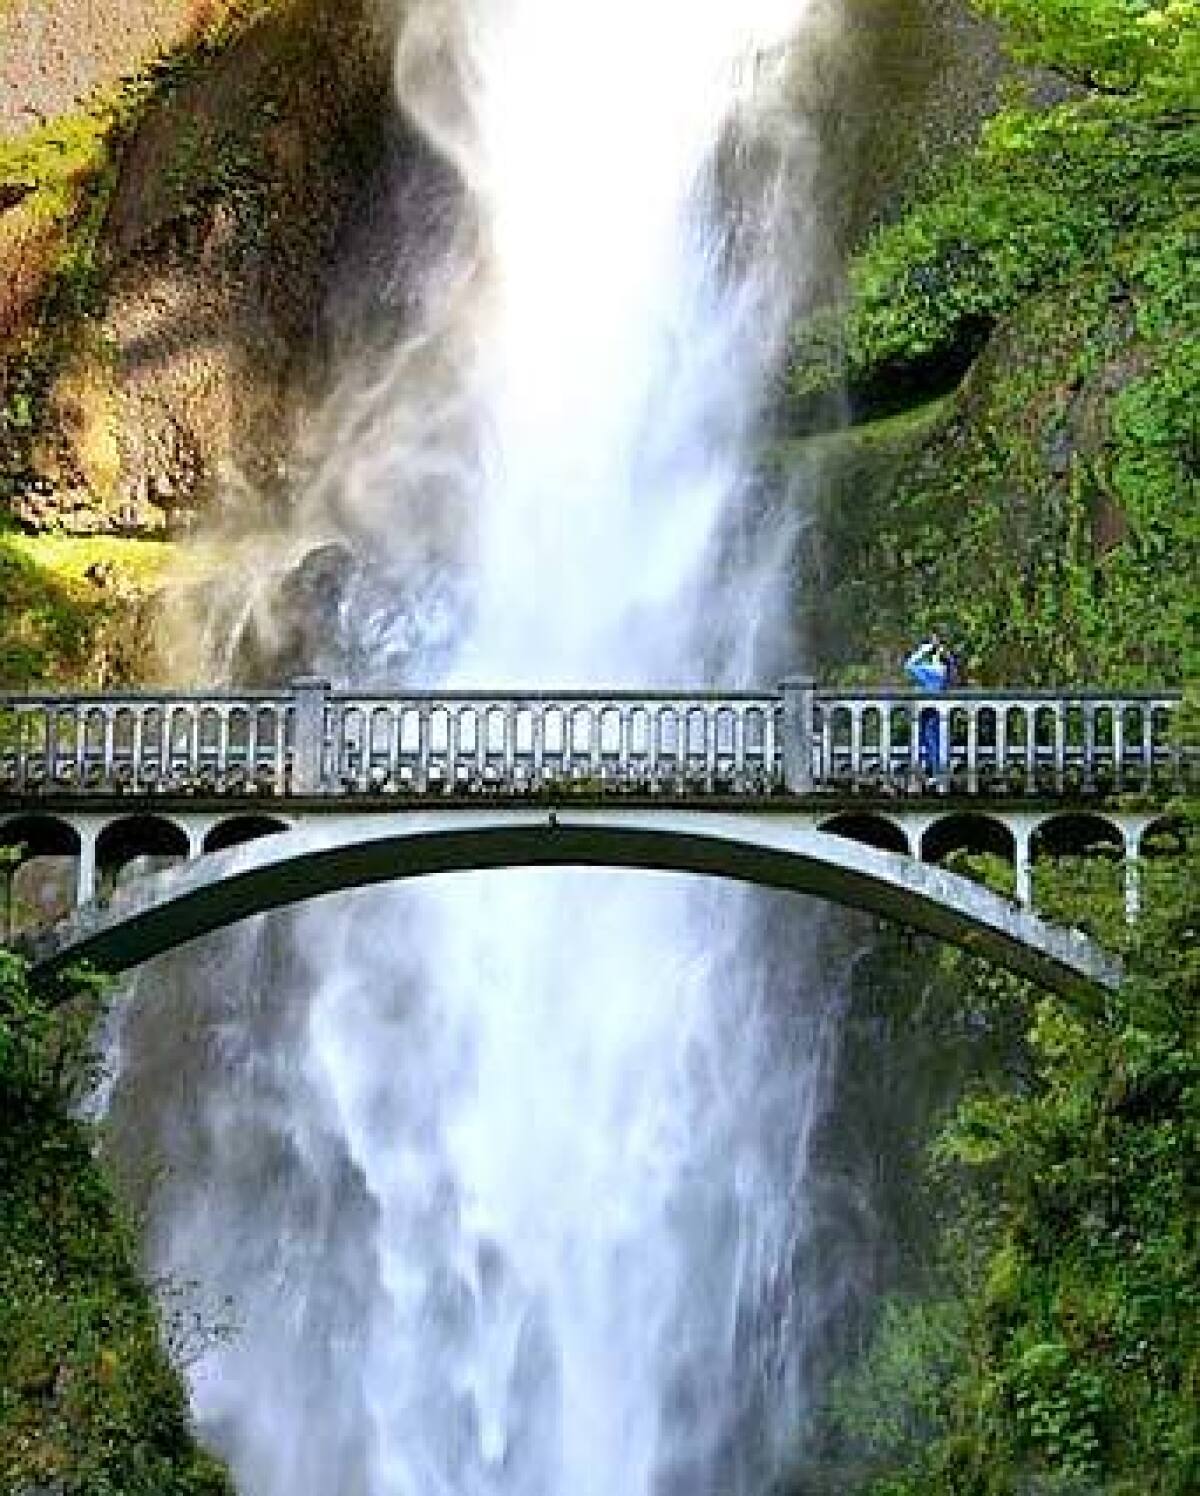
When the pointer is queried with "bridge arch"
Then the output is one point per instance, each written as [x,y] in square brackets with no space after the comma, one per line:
[40,835]
[778,851]
[1075,833]
[967,831]
[1164,836]
[131,838]
[41,876]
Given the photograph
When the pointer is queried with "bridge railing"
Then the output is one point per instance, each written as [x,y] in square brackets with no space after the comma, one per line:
[974,743]
[309,740]
[143,744]
[729,743]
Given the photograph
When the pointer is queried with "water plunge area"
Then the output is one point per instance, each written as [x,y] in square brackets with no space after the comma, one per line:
[506,1181]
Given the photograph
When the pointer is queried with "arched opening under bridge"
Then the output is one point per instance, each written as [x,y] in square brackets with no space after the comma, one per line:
[952,837]
[868,830]
[237,830]
[135,846]
[39,871]
[1080,854]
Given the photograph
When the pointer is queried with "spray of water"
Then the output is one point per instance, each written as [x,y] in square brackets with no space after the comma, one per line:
[508,1178]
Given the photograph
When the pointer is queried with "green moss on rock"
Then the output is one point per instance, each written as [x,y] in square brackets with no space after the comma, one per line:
[1050,522]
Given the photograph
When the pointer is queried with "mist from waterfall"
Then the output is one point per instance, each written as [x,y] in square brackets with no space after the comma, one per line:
[508,1177]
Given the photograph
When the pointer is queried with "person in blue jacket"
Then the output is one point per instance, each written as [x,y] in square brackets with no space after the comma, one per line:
[929,666]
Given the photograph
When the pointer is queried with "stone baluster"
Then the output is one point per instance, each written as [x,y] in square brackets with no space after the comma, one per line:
[1175,756]
[510,745]
[1088,770]
[137,746]
[1058,723]
[110,747]
[77,770]
[253,748]
[360,746]
[1029,711]
[336,750]
[350,752]
[364,759]
[222,764]
[739,765]
[193,718]
[1147,744]
[854,748]
[483,714]
[453,744]
[394,717]
[772,751]
[278,748]
[20,749]
[681,742]
[537,729]
[945,766]
[594,756]
[421,758]
[972,748]
[51,745]
[914,740]
[1118,749]
[885,741]
[997,758]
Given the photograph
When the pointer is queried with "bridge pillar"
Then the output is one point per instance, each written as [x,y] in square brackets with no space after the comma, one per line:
[310,695]
[1132,830]
[1023,828]
[85,873]
[799,699]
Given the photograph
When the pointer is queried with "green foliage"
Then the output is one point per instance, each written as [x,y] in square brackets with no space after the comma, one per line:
[1070,460]
[1042,196]
[1058,1349]
[1048,518]
[89,1405]
[1109,45]
[59,626]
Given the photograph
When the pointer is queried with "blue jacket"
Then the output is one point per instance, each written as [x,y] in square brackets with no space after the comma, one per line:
[927,671]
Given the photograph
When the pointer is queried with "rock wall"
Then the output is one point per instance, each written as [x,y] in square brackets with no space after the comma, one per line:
[214,212]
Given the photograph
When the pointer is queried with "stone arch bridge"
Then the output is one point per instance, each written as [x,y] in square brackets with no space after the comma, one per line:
[234,803]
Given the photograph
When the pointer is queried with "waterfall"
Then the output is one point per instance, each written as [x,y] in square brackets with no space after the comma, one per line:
[507,1179]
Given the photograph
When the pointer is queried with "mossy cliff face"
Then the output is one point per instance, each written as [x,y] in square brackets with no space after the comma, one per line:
[1022,353]
[166,254]
[201,209]
[1021,350]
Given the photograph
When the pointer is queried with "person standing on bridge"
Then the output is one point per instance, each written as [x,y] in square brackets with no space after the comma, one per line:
[929,666]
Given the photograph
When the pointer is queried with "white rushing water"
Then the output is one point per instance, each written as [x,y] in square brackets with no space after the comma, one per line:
[507,1177]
